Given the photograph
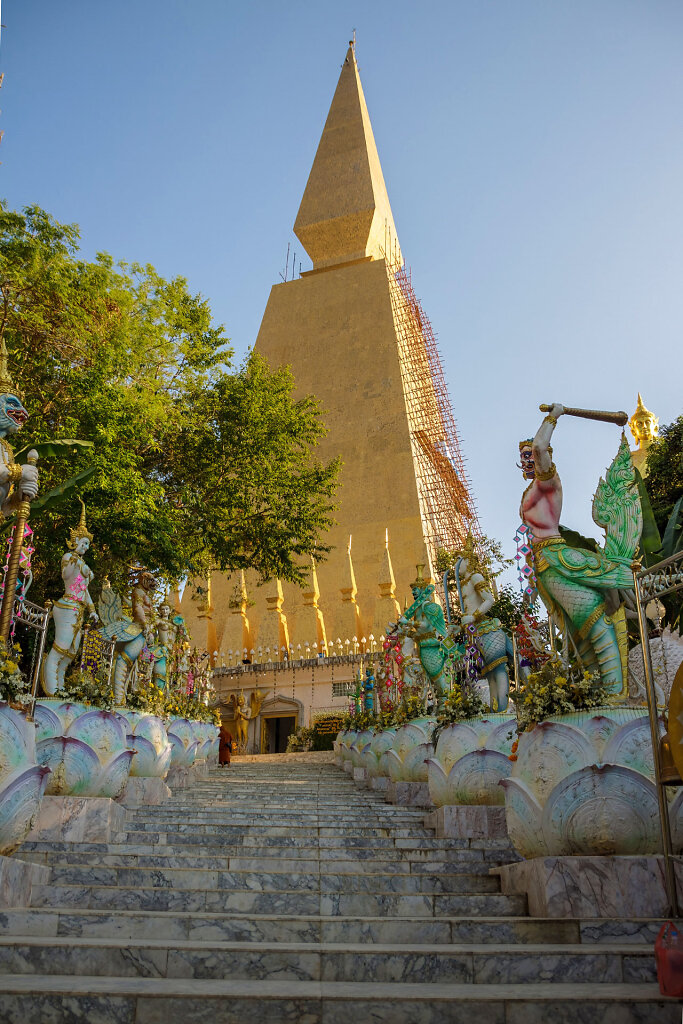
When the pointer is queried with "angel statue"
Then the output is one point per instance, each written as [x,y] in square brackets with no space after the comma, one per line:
[584,587]
[71,609]
[165,633]
[128,635]
[476,601]
[243,714]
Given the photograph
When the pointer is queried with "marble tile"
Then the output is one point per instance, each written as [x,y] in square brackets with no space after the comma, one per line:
[596,1012]
[404,967]
[468,822]
[407,1011]
[17,880]
[639,968]
[593,887]
[408,794]
[264,929]
[36,1008]
[144,793]
[248,902]
[126,962]
[255,963]
[485,904]
[386,930]
[517,969]
[624,931]
[384,905]
[228,1009]
[123,926]
[28,922]
[78,819]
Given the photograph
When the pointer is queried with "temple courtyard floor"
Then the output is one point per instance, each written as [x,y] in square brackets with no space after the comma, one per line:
[277,891]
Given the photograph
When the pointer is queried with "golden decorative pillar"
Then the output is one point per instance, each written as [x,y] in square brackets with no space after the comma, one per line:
[348,619]
[237,633]
[387,608]
[644,427]
[273,632]
[310,623]
[205,615]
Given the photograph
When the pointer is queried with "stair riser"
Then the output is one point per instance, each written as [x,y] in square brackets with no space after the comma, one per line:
[230,1009]
[290,903]
[309,862]
[271,964]
[256,881]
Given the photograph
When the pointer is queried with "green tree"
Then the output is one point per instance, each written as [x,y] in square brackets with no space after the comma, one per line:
[197,463]
[664,479]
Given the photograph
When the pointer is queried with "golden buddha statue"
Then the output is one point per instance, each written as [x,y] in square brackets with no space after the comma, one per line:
[644,427]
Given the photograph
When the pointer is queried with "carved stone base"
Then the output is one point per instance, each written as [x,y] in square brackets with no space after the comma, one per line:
[468,821]
[78,819]
[181,778]
[616,887]
[408,794]
[360,777]
[380,783]
[16,879]
[144,793]
[348,767]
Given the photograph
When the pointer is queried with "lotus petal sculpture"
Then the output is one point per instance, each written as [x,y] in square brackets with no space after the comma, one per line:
[146,735]
[470,761]
[411,746]
[85,748]
[22,780]
[183,741]
[583,784]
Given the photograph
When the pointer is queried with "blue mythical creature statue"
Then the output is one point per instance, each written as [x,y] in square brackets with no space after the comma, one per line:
[128,634]
[13,416]
[369,690]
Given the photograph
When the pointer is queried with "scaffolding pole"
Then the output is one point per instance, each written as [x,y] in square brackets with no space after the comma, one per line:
[446,504]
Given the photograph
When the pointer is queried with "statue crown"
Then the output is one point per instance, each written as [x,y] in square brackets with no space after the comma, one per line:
[6,384]
[81,530]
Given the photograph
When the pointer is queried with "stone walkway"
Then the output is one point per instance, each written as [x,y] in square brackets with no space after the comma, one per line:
[277,891]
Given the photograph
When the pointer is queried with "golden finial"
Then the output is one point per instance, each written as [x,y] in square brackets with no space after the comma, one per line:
[6,385]
[644,424]
[81,530]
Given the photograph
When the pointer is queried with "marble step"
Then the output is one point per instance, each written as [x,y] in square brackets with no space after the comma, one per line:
[338,841]
[312,961]
[132,924]
[279,901]
[256,879]
[308,861]
[35,999]
[268,827]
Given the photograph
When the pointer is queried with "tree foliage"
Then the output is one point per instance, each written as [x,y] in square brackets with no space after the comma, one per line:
[197,464]
[665,471]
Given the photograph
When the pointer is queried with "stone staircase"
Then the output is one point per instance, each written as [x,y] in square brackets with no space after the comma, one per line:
[277,891]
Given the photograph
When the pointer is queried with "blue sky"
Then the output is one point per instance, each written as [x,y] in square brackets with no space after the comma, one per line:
[532,151]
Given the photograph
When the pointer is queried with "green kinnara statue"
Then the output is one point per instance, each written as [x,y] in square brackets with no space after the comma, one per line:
[584,589]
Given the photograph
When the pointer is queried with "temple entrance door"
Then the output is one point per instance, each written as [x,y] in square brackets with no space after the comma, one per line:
[275,731]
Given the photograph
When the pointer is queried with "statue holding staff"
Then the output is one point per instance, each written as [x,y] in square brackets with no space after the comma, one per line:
[579,586]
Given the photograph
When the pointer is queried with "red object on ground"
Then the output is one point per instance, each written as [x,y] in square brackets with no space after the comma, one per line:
[669,957]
